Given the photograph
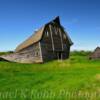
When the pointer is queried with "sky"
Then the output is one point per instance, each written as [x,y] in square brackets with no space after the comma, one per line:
[20,18]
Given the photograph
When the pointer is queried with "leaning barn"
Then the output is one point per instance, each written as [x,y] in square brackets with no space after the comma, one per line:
[48,43]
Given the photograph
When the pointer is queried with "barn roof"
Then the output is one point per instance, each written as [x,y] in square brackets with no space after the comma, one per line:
[38,35]
[31,40]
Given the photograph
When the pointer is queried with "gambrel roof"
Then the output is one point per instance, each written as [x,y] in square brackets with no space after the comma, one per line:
[37,36]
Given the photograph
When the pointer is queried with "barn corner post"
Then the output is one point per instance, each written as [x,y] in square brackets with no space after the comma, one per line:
[41,57]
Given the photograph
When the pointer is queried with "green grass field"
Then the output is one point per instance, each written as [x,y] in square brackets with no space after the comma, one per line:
[74,79]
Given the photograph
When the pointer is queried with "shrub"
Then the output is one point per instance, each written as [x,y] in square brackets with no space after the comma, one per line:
[4,53]
[80,53]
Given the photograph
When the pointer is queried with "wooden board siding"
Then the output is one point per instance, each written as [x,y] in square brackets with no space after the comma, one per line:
[32,52]
[53,55]
[52,44]
[46,39]
[56,38]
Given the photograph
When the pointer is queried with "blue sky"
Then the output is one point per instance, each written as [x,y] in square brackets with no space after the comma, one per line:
[20,18]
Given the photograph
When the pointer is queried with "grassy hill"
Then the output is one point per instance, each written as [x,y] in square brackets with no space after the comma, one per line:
[74,79]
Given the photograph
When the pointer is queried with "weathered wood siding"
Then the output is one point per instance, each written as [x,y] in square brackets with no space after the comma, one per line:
[54,41]
[30,54]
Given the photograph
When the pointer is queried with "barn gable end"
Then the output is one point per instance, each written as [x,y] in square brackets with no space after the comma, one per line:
[55,42]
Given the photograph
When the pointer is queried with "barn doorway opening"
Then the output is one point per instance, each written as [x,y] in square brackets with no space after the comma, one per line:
[59,54]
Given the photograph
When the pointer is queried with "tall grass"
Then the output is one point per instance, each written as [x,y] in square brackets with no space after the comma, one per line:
[74,79]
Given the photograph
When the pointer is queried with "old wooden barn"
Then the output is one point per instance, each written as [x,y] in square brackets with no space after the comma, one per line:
[95,54]
[50,42]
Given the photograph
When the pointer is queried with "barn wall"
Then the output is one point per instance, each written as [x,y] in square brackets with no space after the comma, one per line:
[30,54]
[47,54]
[50,55]
[52,43]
